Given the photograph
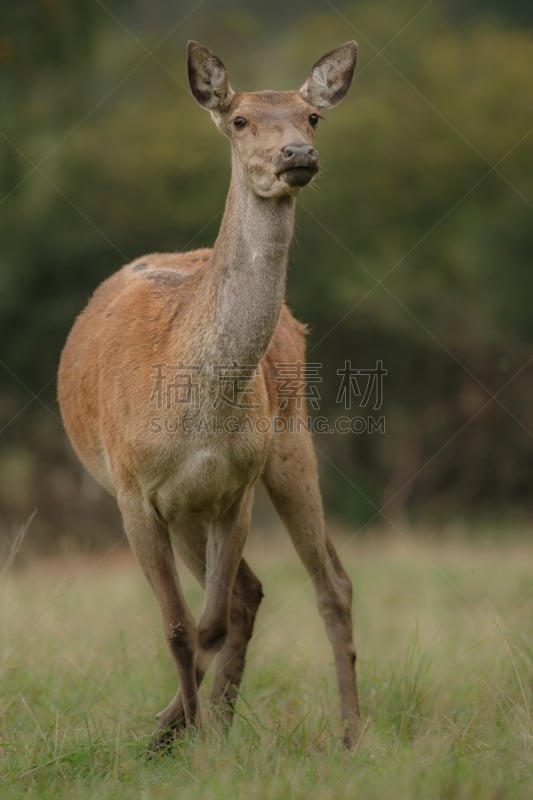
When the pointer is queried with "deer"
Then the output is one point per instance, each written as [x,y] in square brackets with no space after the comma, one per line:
[185,492]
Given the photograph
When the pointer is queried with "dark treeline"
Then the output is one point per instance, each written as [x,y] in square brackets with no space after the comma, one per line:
[413,250]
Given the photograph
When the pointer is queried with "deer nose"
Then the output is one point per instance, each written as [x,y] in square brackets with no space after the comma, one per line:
[297,163]
[299,152]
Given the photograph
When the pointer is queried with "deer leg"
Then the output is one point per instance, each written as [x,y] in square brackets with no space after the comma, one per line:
[230,662]
[245,599]
[225,543]
[291,479]
[247,596]
[150,542]
[190,543]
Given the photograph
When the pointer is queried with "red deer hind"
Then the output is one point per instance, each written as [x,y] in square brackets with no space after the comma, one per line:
[220,312]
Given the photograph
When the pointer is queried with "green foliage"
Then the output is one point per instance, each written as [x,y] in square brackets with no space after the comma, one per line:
[413,249]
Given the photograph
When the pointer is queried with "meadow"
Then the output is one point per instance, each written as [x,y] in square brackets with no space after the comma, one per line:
[445,640]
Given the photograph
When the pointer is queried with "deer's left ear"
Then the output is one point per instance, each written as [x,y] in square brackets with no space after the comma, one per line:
[331,77]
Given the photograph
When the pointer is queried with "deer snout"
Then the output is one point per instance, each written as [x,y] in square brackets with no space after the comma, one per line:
[295,151]
[297,163]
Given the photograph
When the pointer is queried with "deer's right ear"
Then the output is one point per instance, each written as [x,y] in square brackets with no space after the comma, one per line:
[208,78]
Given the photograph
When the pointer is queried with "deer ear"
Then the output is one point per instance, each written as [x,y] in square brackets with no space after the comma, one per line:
[331,77]
[208,78]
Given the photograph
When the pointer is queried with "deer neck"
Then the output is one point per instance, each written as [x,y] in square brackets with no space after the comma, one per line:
[246,282]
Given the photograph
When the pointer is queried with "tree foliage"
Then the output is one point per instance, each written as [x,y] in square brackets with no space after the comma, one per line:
[414,249]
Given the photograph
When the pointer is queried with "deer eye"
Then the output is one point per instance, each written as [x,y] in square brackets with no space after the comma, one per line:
[313,120]
[240,123]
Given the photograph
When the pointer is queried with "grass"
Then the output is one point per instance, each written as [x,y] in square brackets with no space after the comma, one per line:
[445,637]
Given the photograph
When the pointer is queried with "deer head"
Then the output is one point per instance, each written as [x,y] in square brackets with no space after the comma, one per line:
[271,133]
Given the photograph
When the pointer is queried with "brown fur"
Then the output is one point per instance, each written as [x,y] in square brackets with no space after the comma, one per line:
[131,310]
[207,310]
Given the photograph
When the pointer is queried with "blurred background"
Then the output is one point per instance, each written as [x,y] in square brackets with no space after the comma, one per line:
[414,248]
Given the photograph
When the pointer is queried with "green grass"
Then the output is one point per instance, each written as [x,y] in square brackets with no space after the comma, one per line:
[445,640]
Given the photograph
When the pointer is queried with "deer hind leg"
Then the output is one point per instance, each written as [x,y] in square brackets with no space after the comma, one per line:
[291,480]
[245,599]
[150,542]
[247,596]
[225,543]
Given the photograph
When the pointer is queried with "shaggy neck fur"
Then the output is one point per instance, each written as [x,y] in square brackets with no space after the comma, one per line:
[245,286]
